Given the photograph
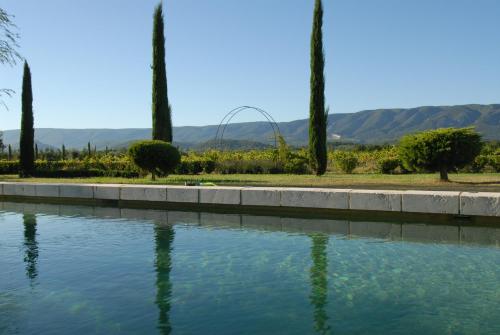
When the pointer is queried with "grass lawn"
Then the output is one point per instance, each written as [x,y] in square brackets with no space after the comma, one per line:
[462,182]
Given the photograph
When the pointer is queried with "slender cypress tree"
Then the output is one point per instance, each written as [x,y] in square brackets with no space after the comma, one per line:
[27,140]
[162,120]
[36,151]
[88,149]
[10,153]
[63,152]
[317,113]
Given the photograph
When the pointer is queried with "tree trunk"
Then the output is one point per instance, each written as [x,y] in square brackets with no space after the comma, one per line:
[443,174]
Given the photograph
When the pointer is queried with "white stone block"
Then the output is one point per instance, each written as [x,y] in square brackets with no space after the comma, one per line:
[375,200]
[481,204]
[315,198]
[19,189]
[76,191]
[143,193]
[107,192]
[182,194]
[220,195]
[261,196]
[47,190]
[435,202]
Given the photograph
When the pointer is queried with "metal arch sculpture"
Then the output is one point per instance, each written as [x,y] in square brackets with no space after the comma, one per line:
[221,129]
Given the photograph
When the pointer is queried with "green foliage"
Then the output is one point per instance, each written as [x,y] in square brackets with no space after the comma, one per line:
[442,150]
[162,120]
[346,161]
[388,165]
[157,157]
[27,136]
[317,113]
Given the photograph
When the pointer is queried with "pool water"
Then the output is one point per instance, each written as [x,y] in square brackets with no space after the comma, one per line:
[81,270]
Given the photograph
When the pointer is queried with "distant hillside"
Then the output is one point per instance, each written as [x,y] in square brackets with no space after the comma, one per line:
[371,126]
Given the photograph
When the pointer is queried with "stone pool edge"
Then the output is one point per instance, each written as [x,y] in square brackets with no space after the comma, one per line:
[447,203]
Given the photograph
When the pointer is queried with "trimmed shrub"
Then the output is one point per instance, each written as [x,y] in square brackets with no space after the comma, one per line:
[157,157]
[440,150]
[347,162]
[388,165]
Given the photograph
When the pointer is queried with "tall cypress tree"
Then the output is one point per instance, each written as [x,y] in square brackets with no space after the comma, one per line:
[27,140]
[317,113]
[162,120]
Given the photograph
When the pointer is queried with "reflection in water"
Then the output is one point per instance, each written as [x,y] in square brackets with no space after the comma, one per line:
[31,252]
[164,238]
[319,282]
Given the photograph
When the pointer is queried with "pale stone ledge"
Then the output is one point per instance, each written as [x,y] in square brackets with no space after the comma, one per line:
[483,204]
[107,192]
[261,196]
[315,198]
[375,200]
[143,193]
[19,189]
[183,194]
[76,191]
[435,202]
[47,190]
[220,195]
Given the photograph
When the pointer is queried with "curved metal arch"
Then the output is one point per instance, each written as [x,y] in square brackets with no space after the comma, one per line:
[221,129]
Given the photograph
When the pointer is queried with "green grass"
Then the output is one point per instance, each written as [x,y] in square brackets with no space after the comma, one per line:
[463,182]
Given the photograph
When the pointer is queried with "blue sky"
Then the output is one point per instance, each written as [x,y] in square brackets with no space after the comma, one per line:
[91,58]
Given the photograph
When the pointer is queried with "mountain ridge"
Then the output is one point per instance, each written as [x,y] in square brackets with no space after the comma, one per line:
[367,126]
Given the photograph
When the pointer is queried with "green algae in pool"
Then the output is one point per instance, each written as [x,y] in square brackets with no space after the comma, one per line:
[84,270]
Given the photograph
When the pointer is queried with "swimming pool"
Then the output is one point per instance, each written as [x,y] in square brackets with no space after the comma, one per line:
[80,270]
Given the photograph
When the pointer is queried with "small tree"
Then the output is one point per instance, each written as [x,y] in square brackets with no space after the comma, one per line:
[443,150]
[63,152]
[157,157]
[317,113]
[9,157]
[36,151]
[27,135]
[89,152]
[162,119]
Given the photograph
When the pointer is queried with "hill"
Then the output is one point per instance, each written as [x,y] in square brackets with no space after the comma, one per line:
[370,126]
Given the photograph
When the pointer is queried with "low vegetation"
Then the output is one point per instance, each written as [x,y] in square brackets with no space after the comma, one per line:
[356,159]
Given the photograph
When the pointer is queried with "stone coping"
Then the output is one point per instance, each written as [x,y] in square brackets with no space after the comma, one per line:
[426,202]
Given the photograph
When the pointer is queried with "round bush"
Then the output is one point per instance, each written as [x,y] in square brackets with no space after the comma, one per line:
[440,150]
[157,157]
[347,162]
[387,165]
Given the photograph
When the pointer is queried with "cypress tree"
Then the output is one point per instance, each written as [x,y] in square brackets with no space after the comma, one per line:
[63,152]
[88,149]
[27,140]
[10,153]
[36,151]
[317,113]
[162,120]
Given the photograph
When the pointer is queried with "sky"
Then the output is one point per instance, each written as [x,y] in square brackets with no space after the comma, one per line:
[90,59]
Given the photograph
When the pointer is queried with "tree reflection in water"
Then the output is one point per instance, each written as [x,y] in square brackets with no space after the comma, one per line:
[319,282]
[31,246]
[164,238]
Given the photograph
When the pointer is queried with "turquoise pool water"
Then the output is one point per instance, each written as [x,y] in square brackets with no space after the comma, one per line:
[82,270]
